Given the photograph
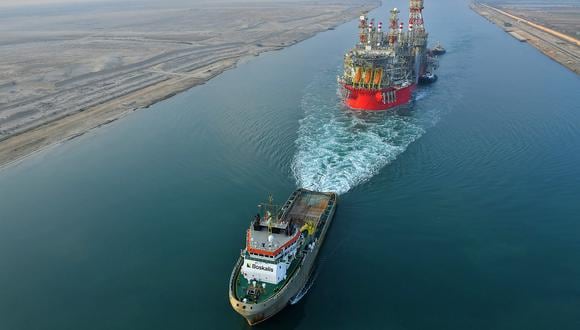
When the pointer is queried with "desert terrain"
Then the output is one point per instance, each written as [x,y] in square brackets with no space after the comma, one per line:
[550,27]
[68,68]
[563,18]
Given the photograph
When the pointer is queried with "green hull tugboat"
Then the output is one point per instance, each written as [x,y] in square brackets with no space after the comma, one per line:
[281,248]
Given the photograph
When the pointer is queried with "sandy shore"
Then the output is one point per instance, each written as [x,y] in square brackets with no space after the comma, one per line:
[546,28]
[64,72]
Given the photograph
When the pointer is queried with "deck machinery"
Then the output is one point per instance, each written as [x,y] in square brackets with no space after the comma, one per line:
[383,69]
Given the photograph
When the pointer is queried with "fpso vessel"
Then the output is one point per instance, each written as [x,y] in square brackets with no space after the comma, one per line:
[281,247]
[383,69]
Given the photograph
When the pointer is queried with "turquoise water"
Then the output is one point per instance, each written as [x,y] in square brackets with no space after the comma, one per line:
[459,212]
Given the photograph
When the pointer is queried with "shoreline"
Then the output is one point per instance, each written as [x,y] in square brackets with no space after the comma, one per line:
[31,140]
[20,146]
[556,45]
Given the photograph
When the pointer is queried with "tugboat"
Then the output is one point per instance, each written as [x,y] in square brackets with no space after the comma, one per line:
[282,244]
[427,78]
[438,49]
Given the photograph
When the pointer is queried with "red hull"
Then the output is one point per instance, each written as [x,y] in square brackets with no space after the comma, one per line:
[377,99]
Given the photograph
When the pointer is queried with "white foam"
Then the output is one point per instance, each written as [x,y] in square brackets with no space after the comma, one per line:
[294,300]
[338,149]
[420,94]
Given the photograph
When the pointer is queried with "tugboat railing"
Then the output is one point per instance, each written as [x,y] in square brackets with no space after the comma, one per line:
[234,276]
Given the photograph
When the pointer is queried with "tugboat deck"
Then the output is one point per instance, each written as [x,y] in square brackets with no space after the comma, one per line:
[307,207]
[303,208]
[242,286]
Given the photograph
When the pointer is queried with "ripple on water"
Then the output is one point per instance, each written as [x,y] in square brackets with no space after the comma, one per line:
[338,149]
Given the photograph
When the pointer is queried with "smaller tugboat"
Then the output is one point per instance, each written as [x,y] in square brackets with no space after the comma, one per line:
[427,78]
[431,64]
[438,49]
[281,246]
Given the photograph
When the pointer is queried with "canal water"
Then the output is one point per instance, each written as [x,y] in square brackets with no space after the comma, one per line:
[459,212]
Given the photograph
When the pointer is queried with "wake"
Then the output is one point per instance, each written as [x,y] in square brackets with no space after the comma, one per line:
[338,149]
[294,300]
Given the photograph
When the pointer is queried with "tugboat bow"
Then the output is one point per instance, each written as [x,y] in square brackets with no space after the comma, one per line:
[281,246]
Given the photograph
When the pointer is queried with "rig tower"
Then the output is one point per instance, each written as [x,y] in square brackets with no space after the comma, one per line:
[418,35]
[362,26]
[393,27]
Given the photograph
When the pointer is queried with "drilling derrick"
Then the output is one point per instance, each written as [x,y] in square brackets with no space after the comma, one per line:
[362,27]
[416,26]
[393,27]
[417,37]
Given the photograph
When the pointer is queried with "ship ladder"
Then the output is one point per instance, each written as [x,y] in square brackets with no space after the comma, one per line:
[390,96]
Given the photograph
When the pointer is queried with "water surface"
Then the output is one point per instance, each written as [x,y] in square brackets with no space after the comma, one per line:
[460,212]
